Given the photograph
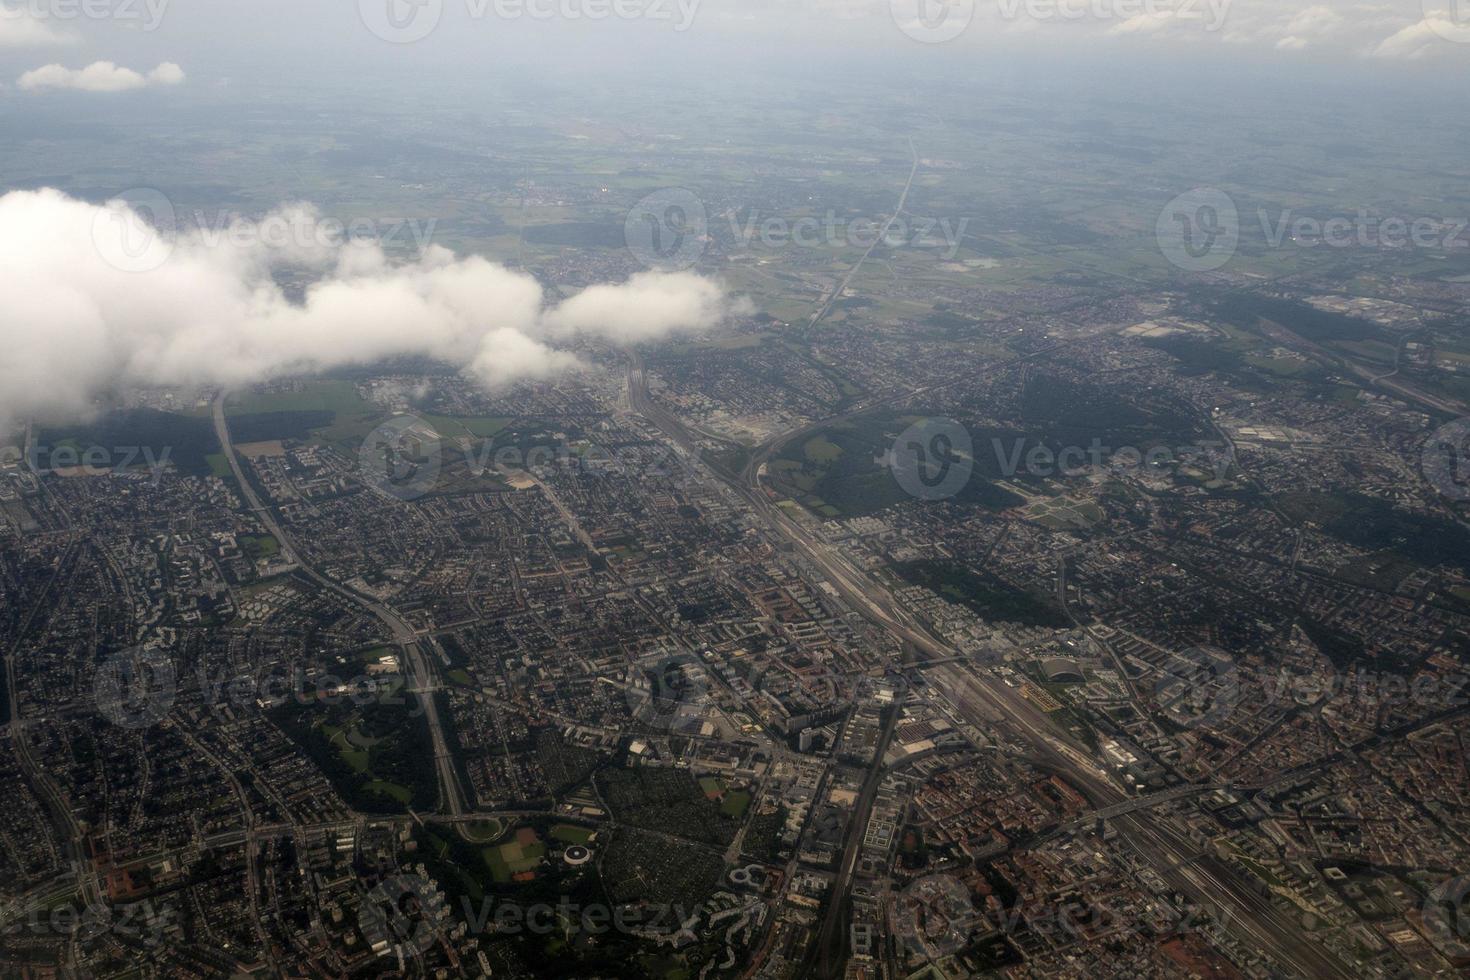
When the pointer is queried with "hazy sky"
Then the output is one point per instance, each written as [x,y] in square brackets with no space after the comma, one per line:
[132,62]
[246,39]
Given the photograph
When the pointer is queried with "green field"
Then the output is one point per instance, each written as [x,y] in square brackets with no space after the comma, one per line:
[522,852]
[450,426]
[259,546]
[332,411]
[735,804]
[571,834]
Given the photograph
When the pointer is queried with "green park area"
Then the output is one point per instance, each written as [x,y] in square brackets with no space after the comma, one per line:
[519,853]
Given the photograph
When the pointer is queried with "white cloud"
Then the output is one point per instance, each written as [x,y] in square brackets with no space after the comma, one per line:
[74,322]
[19,29]
[1315,20]
[648,305]
[1291,44]
[100,76]
[167,73]
[1436,32]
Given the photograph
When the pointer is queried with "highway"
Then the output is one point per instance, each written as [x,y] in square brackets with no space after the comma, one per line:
[840,288]
[418,672]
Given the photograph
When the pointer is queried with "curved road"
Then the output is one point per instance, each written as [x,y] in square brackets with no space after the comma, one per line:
[417,671]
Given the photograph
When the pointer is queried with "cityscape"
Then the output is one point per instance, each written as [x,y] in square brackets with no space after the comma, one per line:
[715,515]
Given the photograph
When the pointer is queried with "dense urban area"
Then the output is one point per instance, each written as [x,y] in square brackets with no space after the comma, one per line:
[1004,586]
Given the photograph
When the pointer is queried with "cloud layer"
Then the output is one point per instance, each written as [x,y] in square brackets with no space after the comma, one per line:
[100,76]
[93,297]
[18,29]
